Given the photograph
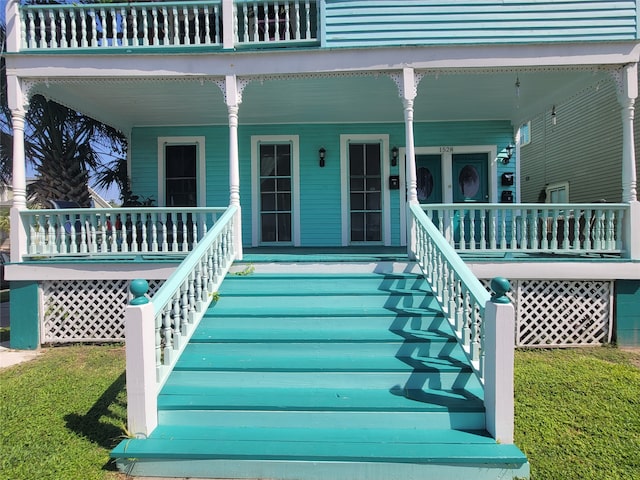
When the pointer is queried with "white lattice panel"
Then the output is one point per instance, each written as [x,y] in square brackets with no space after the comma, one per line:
[556,313]
[86,310]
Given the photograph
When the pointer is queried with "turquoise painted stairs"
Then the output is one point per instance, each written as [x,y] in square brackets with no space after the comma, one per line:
[345,375]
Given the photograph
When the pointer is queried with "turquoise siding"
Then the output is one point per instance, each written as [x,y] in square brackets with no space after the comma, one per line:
[367,23]
[25,321]
[627,313]
[320,202]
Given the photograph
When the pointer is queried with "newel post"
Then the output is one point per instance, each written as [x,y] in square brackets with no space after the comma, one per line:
[142,395]
[499,358]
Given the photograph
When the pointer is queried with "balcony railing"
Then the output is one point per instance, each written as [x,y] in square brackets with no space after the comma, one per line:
[115,232]
[176,24]
[534,228]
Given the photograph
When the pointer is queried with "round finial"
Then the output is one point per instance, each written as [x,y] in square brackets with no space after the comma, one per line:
[500,287]
[138,289]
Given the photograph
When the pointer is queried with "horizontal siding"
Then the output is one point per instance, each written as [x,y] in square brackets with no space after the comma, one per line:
[320,201]
[584,148]
[388,22]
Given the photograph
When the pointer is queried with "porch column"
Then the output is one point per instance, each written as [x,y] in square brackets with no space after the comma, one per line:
[409,93]
[234,98]
[627,79]
[18,104]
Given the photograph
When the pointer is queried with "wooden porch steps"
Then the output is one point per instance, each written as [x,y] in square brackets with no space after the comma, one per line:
[342,376]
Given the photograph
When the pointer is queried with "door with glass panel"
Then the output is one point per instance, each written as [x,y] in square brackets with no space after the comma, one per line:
[365,192]
[470,185]
[181,190]
[275,193]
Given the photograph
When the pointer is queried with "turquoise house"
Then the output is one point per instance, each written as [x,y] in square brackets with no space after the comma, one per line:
[386,159]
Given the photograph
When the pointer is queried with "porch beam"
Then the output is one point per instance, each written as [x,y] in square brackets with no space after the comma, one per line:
[233,97]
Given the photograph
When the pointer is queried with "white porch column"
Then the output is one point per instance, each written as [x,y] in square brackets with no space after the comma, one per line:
[234,98]
[627,79]
[409,92]
[18,104]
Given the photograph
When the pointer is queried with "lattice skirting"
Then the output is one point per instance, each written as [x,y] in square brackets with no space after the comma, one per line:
[558,313]
[85,310]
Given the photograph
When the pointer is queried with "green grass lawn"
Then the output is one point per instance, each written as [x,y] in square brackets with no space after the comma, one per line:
[577,414]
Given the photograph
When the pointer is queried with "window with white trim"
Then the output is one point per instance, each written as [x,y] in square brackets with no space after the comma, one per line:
[557,192]
[524,134]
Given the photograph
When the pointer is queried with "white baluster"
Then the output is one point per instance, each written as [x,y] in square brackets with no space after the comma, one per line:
[159,321]
[114,27]
[134,27]
[154,25]
[165,244]
[63,15]
[53,31]
[256,23]
[73,30]
[618,228]
[167,333]
[297,34]
[102,15]
[307,12]
[196,26]
[207,26]
[144,246]
[185,15]
[94,28]
[177,318]
[154,232]
[184,310]
[176,26]
[165,27]
[565,240]
[145,28]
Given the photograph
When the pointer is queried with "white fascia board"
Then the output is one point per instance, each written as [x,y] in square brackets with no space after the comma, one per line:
[90,271]
[600,270]
[134,65]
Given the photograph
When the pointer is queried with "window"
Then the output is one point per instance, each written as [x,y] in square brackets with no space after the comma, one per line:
[180,171]
[557,192]
[524,134]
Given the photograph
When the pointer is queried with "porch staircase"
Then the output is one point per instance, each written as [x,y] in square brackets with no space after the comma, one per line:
[348,374]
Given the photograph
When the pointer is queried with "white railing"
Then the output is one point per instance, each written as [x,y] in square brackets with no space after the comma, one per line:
[115,231]
[167,24]
[531,227]
[259,22]
[483,325]
[157,331]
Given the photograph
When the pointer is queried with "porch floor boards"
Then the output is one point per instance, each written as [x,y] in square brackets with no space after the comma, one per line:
[352,374]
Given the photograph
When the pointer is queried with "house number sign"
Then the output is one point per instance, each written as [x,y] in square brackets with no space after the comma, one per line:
[446,149]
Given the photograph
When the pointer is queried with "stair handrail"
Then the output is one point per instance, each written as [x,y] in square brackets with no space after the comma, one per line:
[483,324]
[157,329]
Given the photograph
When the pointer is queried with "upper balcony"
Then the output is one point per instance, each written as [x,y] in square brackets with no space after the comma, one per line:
[227,25]
[168,26]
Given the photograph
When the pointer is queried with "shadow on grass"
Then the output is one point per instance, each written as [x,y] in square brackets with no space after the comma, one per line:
[103,423]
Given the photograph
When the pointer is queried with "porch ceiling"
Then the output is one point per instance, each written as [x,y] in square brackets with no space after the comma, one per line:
[442,96]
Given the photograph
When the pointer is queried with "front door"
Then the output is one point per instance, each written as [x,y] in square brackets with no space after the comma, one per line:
[469,186]
[365,192]
[275,193]
[429,178]
[470,183]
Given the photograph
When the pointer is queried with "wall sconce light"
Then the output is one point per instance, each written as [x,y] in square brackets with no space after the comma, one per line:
[507,159]
[322,153]
[394,156]
[554,119]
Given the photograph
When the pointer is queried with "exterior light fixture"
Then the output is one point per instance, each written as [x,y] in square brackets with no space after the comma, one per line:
[394,156]
[554,119]
[507,159]
[321,154]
